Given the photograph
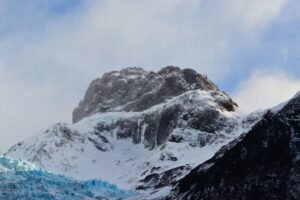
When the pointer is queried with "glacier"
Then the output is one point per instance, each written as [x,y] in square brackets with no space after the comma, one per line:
[23,180]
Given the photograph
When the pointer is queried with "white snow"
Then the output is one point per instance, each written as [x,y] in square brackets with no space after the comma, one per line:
[124,164]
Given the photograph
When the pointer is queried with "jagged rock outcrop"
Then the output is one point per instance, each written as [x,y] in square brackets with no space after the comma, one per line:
[262,164]
[134,89]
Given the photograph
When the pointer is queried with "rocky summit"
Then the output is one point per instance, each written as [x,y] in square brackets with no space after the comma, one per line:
[134,89]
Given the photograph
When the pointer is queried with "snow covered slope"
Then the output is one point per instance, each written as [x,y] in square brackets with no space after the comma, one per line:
[105,145]
[23,180]
[184,121]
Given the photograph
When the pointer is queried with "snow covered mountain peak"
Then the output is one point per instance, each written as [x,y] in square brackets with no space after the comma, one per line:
[140,130]
[134,89]
[148,132]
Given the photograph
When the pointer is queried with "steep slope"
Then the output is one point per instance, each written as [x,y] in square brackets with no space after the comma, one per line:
[146,136]
[263,164]
[23,180]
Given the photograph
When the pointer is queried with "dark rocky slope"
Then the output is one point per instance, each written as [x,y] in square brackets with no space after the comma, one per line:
[262,164]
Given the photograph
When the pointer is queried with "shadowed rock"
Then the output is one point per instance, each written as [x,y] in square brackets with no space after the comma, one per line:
[264,164]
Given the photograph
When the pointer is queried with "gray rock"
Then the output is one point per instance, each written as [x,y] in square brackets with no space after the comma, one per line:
[134,89]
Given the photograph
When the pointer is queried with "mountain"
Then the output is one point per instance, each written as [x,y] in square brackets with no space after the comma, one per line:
[140,130]
[262,164]
[23,180]
[171,134]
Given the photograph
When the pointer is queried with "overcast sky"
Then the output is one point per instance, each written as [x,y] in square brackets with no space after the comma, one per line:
[50,50]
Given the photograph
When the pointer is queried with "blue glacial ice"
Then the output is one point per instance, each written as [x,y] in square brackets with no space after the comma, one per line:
[21,180]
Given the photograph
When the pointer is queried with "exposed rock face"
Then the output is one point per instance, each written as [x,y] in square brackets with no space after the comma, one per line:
[264,164]
[134,89]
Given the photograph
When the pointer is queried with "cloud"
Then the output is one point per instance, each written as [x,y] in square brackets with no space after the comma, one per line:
[256,14]
[265,89]
[48,57]
[112,34]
